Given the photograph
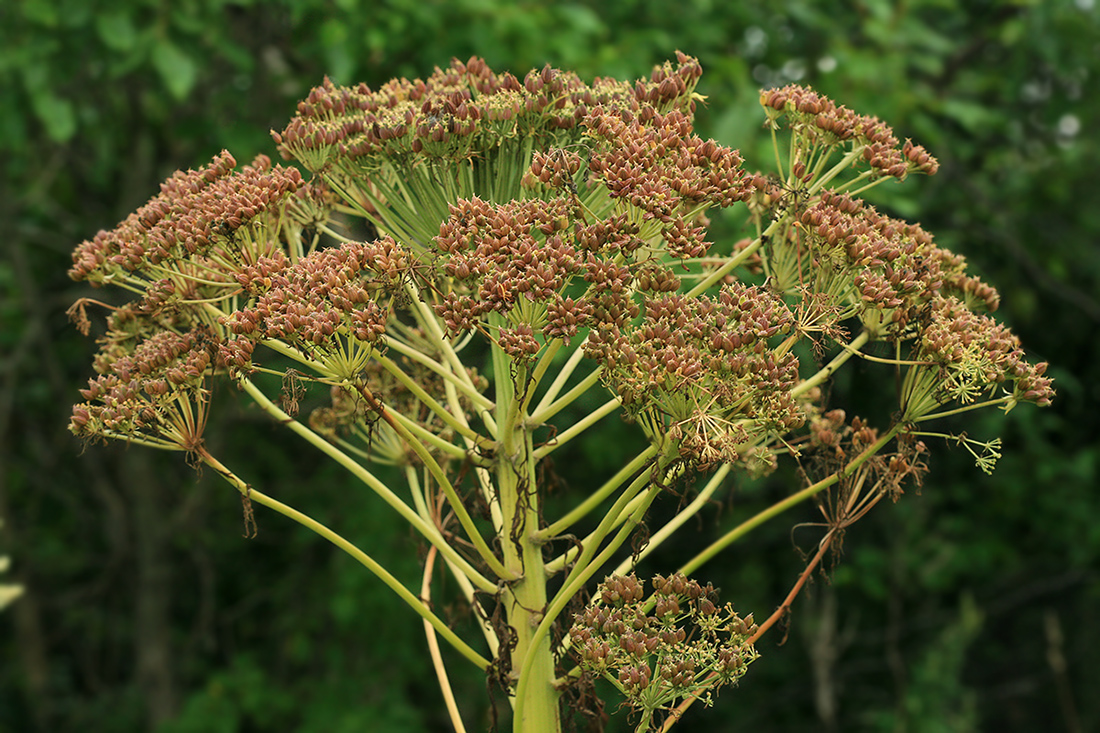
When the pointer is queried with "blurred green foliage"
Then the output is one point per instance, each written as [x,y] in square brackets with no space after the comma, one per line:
[145,609]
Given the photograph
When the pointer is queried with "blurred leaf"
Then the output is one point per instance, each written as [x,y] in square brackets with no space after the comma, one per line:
[334,38]
[972,116]
[43,12]
[55,114]
[116,30]
[176,69]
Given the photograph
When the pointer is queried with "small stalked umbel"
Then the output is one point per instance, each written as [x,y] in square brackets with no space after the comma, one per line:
[538,263]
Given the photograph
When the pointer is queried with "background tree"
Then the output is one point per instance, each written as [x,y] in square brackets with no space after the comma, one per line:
[978,612]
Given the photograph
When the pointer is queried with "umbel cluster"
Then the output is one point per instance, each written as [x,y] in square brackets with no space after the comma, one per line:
[455,261]
[576,209]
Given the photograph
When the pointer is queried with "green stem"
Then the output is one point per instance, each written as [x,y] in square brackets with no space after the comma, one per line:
[676,522]
[578,427]
[440,477]
[431,438]
[524,598]
[833,172]
[478,399]
[544,362]
[715,276]
[829,369]
[363,558]
[428,321]
[429,532]
[572,586]
[779,507]
[966,408]
[562,377]
[544,414]
[433,649]
[611,519]
[597,497]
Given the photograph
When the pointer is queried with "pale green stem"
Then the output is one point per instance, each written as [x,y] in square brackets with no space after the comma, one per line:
[433,648]
[428,401]
[384,575]
[523,599]
[578,427]
[716,275]
[775,147]
[142,440]
[291,353]
[572,586]
[464,584]
[429,532]
[562,377]
[868,187]
[481,401]
[836,170]
[819,159]
[598,496]
[918,393]
[966,408]
[547,358]
[430,324]
[455,416]
[829,369]
[431,438]
[419,500]
[781,506]
[440,477]
[614,516]
[543,415]
[676,522]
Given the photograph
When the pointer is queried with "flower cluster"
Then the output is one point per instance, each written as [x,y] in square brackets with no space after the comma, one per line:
[823,121]
[965,356]
[198,214]
[659,165]
[326,304]
[466,125]
[155,394]
[834,442]
[702,372]
[502,258]
[520,259]
[886,270]
[464,111]
[524,213]
[679,644]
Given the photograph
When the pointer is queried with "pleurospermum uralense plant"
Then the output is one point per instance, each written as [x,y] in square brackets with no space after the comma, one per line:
[539,239]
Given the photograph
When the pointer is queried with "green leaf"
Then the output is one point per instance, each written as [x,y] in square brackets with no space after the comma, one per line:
[334,37]
[55,114]
[116,30]
[176,69]
[43,12]
[972,116]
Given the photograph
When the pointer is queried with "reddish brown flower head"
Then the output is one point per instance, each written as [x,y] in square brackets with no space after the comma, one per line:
[321,304]
[703,369]
[894,267]
[464,111]
[684,645]
[657,164]
[969,356]
[820,120]
[195,213]
[504,258]
[155,391]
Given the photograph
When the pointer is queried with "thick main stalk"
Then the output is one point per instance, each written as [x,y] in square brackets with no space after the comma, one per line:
[524,599]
